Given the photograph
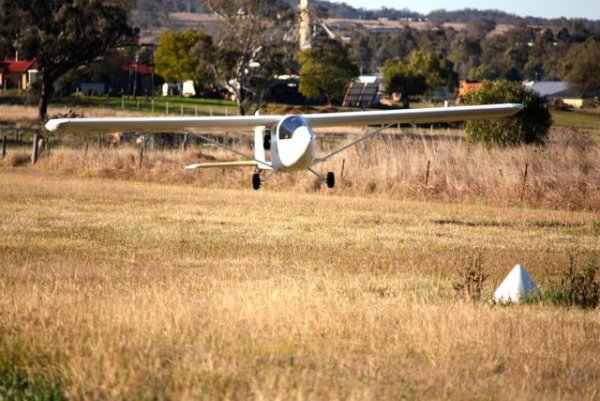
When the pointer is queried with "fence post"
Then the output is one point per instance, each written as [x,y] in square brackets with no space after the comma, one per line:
[3,146]
[427,174]
[167,108]
[152,106]
[141,156]
[35,149]
[343,165]
[524,181]
[184,144]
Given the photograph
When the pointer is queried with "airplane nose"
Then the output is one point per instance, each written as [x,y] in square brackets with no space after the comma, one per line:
[298,151]
[304,136]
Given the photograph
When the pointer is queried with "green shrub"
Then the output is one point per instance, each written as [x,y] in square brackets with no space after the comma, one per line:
[578,287]
[471,279]
[17,386]
[529,126]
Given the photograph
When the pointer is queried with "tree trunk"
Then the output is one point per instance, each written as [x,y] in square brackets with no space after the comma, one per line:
[240,100]
[45,90]
[405,101]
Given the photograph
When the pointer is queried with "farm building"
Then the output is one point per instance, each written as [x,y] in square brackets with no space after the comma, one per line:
[560,90]
[465,87]
[17,74]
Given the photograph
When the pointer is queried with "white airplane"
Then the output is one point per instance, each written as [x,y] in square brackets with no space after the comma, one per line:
[290,138]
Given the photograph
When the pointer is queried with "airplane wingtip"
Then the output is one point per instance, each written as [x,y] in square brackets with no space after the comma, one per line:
[55,124]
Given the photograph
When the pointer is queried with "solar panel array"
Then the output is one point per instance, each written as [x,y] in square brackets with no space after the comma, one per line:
[361,94]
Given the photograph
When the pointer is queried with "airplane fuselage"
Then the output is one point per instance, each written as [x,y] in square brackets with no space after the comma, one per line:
[293,145]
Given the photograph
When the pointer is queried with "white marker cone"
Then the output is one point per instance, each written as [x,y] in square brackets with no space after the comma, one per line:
[516,285]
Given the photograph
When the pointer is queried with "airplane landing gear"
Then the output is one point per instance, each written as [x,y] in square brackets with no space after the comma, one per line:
[330,179]
[256,181]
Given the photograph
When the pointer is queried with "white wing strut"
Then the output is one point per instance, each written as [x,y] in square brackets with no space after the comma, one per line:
[359,140]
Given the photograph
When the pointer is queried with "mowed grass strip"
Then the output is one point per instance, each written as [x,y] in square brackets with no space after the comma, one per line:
[131,290]
[577,119]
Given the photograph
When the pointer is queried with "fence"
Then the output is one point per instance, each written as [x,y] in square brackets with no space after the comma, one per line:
[162,106]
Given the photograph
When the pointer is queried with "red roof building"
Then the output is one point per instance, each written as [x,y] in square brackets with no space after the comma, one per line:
[466,87]
[17,74]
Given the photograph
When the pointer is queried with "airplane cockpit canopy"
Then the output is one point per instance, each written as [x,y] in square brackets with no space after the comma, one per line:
[289,125]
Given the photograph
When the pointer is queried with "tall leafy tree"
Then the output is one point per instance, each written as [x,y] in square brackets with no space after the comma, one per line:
[361,53]
[582,68]
[253,47]
[422,72]
[465,53]
[401,78]
[173,58]
[64,34]
[326,69]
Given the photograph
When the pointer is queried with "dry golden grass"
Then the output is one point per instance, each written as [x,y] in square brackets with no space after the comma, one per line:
[139,290]
[562,175]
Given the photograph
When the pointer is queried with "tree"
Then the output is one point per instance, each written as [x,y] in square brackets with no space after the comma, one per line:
[482,72]
[173,58]
[361,53]
[326,69]
[254,47]
[480,28]
[65,34]
[402,78]
[465,53]
[529,126]
[422,72]
[581,68]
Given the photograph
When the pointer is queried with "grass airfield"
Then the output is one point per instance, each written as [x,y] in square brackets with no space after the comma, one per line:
[120,290]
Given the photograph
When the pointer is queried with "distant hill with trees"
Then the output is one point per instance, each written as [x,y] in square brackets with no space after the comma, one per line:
[481,44]
[152,9]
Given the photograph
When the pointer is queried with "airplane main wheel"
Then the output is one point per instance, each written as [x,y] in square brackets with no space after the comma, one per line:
[256,181]
[330,180]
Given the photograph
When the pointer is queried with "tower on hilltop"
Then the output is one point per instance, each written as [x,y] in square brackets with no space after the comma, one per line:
[304,25]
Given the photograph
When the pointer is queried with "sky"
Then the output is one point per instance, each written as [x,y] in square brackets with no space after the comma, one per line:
[589,9]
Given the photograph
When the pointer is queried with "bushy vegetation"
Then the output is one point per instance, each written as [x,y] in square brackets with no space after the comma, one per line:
[579,286]
[17,386]
[470,283]
[530,126]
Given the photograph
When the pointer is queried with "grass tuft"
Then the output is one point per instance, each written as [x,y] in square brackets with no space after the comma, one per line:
[17,386]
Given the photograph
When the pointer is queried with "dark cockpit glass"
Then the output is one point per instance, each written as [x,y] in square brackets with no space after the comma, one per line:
[289,125]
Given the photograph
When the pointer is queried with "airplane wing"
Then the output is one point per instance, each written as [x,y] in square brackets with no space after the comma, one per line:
[164,124]
[411,116]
